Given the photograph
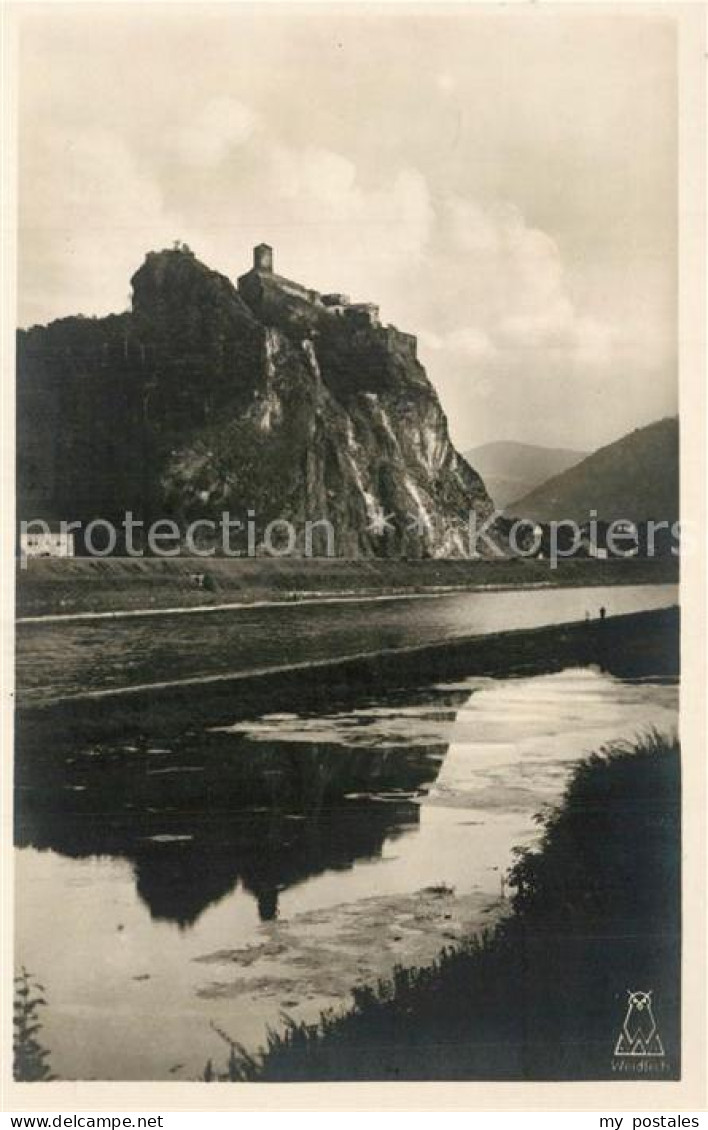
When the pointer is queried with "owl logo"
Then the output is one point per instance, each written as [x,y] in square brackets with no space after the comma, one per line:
[639,1036]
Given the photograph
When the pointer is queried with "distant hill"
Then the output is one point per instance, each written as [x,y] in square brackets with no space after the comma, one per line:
[636,477]
[510,470]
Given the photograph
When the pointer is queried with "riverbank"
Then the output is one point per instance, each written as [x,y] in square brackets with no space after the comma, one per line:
[550,991]
[77,586]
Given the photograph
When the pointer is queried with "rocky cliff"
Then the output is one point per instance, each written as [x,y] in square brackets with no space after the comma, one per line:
[269,399]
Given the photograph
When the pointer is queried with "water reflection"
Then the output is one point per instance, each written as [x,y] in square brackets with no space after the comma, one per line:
[226,807]
[271,865]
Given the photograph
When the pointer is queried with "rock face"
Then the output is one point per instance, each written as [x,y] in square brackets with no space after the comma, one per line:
[267,400]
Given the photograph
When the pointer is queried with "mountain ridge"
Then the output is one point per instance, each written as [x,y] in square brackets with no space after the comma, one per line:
[511,469]
[636,477]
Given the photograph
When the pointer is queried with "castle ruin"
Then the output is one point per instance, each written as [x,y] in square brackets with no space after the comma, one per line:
[263,290]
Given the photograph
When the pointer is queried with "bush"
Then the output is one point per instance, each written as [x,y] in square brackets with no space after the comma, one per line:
[30,1056]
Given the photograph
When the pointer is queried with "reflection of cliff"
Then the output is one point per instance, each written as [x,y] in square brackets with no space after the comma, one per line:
[219,809]
[267,851]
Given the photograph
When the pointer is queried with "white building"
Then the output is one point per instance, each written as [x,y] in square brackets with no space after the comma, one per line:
[46,543]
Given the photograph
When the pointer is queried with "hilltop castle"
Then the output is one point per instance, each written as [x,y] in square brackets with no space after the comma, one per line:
[205,396]
[268,293]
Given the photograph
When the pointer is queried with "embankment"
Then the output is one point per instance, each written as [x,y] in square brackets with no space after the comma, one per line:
[52,586]
[633,646]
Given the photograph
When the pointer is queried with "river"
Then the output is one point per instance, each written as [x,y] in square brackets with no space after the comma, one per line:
[56,660]
[239,872]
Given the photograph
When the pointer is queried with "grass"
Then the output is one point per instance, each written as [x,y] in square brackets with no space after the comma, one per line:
[64,585]
[595,914]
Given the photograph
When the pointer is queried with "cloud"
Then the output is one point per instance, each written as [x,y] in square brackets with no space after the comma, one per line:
[523,229]
[486,290]
[221,181]
[514,280]
[480,281]
[222,125]
[321,188]
[330,226]
[91,215]
[468,342]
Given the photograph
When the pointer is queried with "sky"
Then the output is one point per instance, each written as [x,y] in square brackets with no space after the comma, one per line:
[502,181]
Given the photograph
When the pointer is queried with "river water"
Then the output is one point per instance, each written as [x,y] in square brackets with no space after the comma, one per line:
[62,659]
[166,890]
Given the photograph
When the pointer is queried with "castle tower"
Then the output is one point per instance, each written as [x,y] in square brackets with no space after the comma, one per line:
[263,258]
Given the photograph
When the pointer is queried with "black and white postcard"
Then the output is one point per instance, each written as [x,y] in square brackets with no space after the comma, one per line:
[356,435]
